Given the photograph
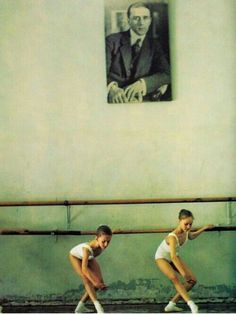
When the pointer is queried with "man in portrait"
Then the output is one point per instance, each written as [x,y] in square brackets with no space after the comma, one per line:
[137,68]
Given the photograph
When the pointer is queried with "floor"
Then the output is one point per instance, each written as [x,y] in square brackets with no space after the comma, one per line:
[119,308]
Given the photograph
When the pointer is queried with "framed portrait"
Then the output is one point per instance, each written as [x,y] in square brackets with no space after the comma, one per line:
[138,66]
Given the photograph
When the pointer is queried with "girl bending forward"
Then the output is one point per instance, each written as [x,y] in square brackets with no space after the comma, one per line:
[169,262]
[83,260]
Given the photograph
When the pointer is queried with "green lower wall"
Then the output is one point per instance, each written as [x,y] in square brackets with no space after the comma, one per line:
[36,268]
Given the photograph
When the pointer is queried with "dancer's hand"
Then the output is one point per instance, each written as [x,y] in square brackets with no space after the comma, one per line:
[104,287]
[100,285]
[187,277]
[207,227]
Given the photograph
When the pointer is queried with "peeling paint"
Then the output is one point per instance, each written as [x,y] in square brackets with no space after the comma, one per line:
[136,291]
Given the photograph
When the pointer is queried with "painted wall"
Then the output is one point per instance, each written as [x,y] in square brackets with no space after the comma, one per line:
[61,140]
[37,267]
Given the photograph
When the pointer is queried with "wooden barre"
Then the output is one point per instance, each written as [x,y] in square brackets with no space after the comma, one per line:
[115,231]
[119,201]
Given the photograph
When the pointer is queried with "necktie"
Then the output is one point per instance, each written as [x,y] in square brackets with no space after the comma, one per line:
[136,48]
[135,55]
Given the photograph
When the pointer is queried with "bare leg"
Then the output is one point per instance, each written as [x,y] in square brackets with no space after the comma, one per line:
[85,297]
[167,270]
[94,269]
[189,284]
[77,265]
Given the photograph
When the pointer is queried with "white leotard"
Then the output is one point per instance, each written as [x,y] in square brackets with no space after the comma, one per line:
[163,251]
[77,251]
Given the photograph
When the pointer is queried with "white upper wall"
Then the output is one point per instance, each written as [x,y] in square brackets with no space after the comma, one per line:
[61,140]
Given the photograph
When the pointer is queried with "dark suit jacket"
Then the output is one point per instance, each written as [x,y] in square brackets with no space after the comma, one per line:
[152,65]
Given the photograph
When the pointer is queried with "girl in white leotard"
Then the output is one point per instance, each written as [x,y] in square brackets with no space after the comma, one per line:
[168,260]
[83,260]
[163,250]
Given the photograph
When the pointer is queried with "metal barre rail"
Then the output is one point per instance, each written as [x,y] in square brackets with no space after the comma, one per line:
[115,231]
[119,202]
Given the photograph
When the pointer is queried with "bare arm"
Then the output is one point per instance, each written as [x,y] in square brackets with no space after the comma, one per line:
[87,272]
[174,258]
[194,234]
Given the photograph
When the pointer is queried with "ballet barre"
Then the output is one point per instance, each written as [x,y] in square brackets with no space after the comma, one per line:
[118,201]
[23,231]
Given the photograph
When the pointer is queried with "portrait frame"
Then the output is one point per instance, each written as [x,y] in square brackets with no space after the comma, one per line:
[116,21]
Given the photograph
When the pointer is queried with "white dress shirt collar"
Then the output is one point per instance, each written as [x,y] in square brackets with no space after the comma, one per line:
[134,37]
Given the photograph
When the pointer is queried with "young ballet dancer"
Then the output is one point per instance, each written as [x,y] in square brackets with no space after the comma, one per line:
[170,263]
[83,260]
